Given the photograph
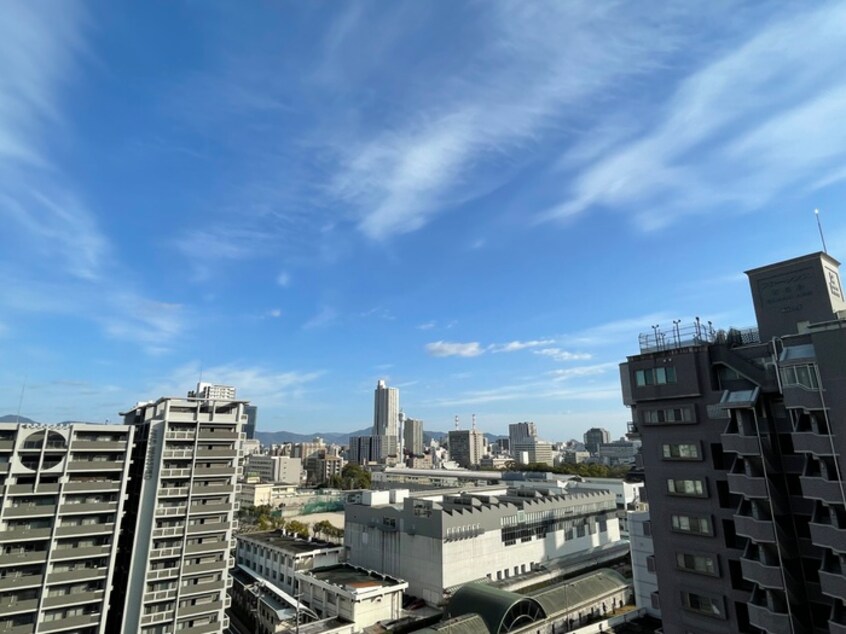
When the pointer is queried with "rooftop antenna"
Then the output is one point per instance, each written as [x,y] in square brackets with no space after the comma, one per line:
[20,402]
[456,422]
[819,226]
[474,422]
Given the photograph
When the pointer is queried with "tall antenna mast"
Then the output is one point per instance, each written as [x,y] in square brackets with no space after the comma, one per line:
[456,422]
[474,422]
[819,226]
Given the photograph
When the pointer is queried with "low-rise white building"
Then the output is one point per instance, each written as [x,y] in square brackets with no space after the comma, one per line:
[264,494]
[440,542]
[279,469]
[644,580]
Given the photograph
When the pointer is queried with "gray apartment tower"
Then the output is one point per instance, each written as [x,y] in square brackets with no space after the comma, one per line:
[594,437]
[744,433]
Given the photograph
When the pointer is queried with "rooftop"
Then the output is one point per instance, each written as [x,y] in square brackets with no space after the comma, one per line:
[353,578]
[277,539]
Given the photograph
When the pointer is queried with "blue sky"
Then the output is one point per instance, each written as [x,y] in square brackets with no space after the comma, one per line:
[482,202]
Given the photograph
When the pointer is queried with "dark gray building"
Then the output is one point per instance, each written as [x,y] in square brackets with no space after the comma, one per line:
[742,452]
[594,437]
[252,419]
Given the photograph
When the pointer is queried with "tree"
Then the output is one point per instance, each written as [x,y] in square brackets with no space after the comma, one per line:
[298,528]
[355,477]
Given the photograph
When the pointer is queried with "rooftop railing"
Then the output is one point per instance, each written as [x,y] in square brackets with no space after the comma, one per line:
[696,334]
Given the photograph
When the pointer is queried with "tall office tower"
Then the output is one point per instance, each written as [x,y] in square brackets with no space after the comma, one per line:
[178,534]
[743,446]
[466,447]
[594,437]
[413,436]
[385,410]
[361,450]
[60,510]
[521,433]
[533,451]
[252,419]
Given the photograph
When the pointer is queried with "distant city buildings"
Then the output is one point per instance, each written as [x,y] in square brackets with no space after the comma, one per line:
[413,436]
[466,447]
[594,437]
[279,469]
[521,433]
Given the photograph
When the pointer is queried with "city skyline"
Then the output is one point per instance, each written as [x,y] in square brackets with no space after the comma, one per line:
[482,205]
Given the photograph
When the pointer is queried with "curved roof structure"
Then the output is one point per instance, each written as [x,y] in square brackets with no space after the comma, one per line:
[466,624]
[502,611]
[586,589]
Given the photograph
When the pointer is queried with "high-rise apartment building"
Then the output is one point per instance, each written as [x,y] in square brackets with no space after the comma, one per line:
[466,447]
[60,517]
[385,410]
[252,420]
[413,436]
[175,547]
[521,433]
[743,445]
[594,437]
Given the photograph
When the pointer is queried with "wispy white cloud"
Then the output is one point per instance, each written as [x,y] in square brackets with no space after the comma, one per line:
[324,317]
[514,346]
[454,349]
[283,279]
[267,386]
[563,355]
[427,326]
[760,119]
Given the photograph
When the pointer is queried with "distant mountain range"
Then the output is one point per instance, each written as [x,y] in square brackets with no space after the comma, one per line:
[341,438]
[279,437]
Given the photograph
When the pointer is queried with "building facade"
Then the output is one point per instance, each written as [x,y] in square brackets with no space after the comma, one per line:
[466,447]
[175,548]
[60,516]
[521,433]
[413,436]
[385,410]
[594,437]
[532,451]
[742,455]
[441,542]
[282,469]
[644,581]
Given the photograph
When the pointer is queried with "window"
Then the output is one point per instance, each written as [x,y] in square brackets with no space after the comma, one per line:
[693,525]
[702,564]
[655,376]
[693,488]
[669,415]
[800,376]
[702,604]
[681,452]
[650,563]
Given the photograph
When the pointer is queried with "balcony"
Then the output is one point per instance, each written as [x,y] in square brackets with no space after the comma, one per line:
[81,574]
[85,487]
[16,581]
[757,530]
[6,627]
[200,588]
[800,397]
[809,442]
[30,510]
[164,573]
[30,489]
[173,492]
[828,536]
[70,622]
[195,569]
[197,509]
[208,528]
[161,595]
[748,486]
[208,628]
[99,445]
[95,465]
[196,549]
[818,488]
[176,473]
[833,584]
[167,511]
[78,553]
[74,598]
[202,608]
[158,617]
[217,453]
[762,617]
[199,489]
[84,529]
[201,472]
[169,531]
[7,445]
[88,507]
[26,557]
[24,534]
[741,444]
[166,553]
[13,605]
[764,575]
[206,434]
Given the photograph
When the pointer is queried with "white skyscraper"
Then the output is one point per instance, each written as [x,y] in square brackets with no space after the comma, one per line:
[385,410]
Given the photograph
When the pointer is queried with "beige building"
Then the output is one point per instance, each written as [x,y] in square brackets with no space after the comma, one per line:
[60,511]
[264,493]
[466,447]
[274,468]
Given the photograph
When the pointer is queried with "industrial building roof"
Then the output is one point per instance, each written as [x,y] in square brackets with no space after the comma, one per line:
[501,610]
[570,594]
[352,577]
[465,624]
[295,545]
